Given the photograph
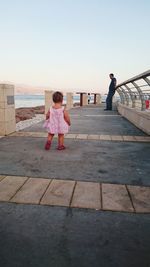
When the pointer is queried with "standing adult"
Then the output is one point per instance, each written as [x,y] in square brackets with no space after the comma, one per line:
[112,88]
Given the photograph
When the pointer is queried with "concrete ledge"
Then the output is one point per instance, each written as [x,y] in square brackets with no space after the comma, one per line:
[141,119]
[91,137]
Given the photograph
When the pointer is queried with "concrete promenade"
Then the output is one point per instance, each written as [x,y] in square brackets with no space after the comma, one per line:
[86,206]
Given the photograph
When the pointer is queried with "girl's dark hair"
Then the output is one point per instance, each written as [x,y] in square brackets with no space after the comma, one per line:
[57,97]
[112,74]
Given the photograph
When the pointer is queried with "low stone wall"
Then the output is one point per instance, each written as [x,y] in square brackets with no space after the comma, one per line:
[141,119]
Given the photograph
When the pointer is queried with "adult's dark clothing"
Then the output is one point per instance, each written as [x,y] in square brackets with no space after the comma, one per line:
[110,94]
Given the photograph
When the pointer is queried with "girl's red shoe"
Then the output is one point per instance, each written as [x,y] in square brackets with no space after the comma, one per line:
[61,147]
[47,145]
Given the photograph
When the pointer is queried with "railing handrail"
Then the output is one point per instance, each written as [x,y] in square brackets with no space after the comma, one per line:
[135,78]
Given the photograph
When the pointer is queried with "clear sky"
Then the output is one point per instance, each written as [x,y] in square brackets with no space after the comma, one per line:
[73,43]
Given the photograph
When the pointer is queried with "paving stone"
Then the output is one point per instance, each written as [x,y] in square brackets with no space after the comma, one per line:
[115,197]
[43,135]
[1,177]
[129,138]
[30,134]
[32,191]
[87,195]
[142,138]
[82,136]
[71,136]
[39,134]
[147,139]
[26,134]
[94,137]
[9,186]
[116,138]
[59,193]
[140,197]
[21,134]
[12,134]
[105,137]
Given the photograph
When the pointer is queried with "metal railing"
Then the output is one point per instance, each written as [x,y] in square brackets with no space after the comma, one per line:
[135,91]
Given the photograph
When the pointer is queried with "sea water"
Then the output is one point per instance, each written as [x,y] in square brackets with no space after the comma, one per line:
[36,100]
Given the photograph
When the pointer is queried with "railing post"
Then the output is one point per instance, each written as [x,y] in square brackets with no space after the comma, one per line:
[132,96]
[118,91]
[126,95]
[48,100]
[69,103]
[7,109]
[141,95]
[147,81]
[121,95]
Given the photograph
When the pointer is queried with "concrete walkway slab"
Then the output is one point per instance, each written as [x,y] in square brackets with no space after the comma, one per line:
[9,186]
[115,197]
[87,195]
[86,120]
[32,191]
[59,193]
[44,236]
[140,197]
[84,160]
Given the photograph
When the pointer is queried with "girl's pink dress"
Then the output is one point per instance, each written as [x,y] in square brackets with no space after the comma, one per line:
[56,123]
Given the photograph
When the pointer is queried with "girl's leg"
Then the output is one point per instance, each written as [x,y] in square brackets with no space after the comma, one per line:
[49,140]
[61,142]
[50,137]
[60,139]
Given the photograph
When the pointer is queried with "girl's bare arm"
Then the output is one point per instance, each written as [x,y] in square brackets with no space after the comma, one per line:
[67,118]
[47,115]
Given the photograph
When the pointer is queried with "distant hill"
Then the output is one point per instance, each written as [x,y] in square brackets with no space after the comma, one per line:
[25,89]
[32,90]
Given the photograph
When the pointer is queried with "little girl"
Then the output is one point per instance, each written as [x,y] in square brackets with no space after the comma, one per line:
[57,122]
